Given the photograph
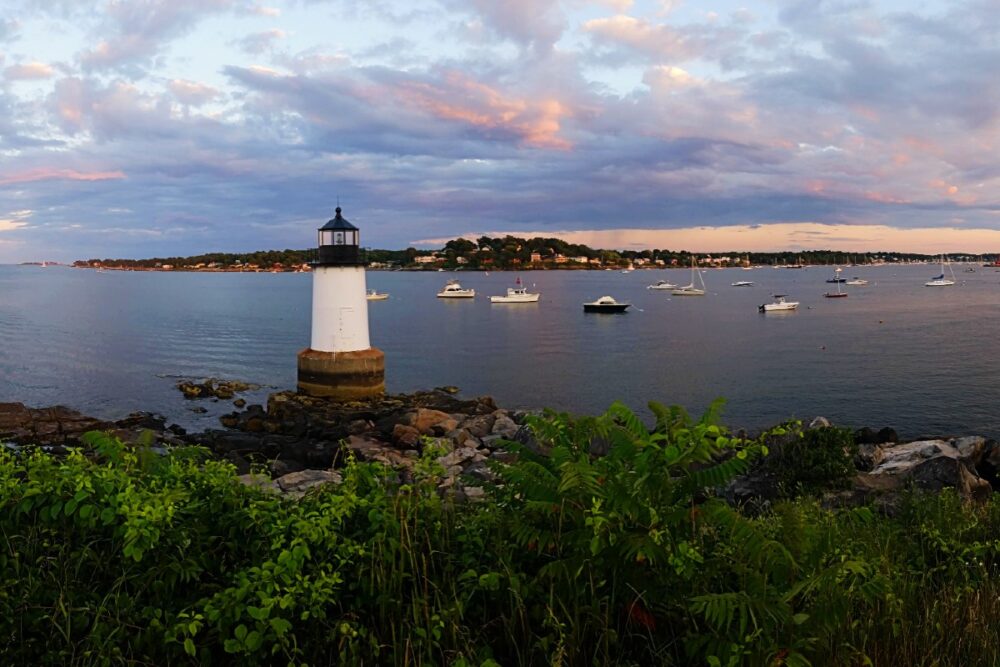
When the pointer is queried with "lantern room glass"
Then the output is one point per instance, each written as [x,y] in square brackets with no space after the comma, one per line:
[338,237]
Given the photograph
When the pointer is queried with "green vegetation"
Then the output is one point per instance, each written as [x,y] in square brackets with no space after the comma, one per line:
[628,558]
[511,252]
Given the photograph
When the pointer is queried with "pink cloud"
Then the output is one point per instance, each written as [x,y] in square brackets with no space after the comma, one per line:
[192,92]
[51,174]
[25,71]
[461,99]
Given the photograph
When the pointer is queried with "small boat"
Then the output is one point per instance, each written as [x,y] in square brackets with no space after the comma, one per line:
[455,291]
[661,284]
[779,303]
[742,283]
[373,295]
[516,294]
[856,281]
[836,277]
[690,289]
[839,294]
[941,281]
[605,304]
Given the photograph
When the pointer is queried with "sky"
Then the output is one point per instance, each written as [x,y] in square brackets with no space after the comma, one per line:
[140,128]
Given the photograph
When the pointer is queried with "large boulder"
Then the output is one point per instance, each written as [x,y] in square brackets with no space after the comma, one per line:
[504,426]
[297,483]
[405,436]
[929,465]
[425,419]
[940,472]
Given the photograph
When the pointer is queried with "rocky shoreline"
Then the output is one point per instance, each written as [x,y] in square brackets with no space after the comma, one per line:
[295,442]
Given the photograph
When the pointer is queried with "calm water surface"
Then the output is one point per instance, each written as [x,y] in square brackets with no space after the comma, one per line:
[923,360]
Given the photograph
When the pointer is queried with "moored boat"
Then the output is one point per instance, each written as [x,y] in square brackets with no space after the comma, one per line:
[690,289]
[605,304]
[661,284]
[742,283]
[778,304]
[517,294]
[455,291]
[375,295]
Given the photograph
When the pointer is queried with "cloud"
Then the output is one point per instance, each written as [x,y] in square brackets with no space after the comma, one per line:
[8,29]
[25,71]
[53,174]
[259,42]
[136,30]
[192,92]
[7,225]
[534,23]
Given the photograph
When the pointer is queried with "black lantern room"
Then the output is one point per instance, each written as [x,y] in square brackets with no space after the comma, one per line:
[339,243]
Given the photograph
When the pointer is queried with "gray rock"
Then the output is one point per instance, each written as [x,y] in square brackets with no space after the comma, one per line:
[940,472]
[479,426]
[493,441]
[868,457]
[302,481]
[971,448]
[503,456]
[280,467]
[504,426]
[474,493]
[820,422]
[462,438]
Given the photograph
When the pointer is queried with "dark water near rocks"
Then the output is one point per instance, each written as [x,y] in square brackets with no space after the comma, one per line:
[923,360]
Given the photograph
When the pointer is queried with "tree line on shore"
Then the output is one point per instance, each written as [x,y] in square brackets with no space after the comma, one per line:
[511,252]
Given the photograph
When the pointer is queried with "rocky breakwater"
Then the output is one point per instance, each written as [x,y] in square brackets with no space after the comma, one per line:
[57,427]
[300,441]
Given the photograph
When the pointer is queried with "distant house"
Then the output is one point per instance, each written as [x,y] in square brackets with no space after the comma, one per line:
[462,260]
[536,257]
[427,259]
[561,259]
[595,260]
[580,260]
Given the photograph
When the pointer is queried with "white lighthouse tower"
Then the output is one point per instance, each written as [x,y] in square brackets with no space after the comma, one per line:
[340,362]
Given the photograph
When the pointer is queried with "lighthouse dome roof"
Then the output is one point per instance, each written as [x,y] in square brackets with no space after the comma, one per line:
[338,222]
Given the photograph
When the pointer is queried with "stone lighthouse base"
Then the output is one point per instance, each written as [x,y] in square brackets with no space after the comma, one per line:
[342,376]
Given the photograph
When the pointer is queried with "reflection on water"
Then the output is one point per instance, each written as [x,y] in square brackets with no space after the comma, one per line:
[894,352]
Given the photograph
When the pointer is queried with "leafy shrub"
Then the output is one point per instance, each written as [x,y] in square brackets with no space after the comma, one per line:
[123,557]
[812,460]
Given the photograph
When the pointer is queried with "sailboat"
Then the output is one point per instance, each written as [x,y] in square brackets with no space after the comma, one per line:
[839,294]
[941,281]
[690,289]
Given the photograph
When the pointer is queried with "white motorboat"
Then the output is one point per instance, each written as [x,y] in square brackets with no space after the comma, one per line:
[455,291]
[856,281]
[742,283]
[690,289]
[517,294]
[779,303]
[374,295]
[661,284]
[941,281]
[605,304]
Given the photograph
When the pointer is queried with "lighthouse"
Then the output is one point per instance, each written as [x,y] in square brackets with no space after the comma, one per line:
[340,362]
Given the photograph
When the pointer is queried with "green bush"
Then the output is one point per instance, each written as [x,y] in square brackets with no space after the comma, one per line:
[123,557]
[812,460]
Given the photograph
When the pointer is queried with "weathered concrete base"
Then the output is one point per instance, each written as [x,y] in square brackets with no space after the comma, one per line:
[342,376]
